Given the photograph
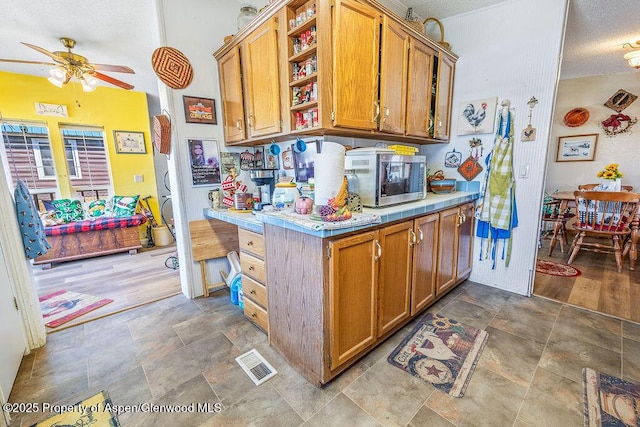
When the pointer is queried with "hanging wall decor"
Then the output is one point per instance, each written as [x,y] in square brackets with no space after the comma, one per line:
[617,123]
[477,117]
[576,117]
[620,100]
[452,159]
[529,133]
[246,160]
[471,167]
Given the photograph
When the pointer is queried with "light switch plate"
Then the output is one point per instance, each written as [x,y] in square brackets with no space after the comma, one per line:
[138,178]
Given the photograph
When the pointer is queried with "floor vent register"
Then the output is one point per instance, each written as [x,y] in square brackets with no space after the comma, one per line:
[256,367]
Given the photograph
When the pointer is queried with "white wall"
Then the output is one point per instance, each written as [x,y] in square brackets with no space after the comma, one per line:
[591,93]
[511,51]
[197,31]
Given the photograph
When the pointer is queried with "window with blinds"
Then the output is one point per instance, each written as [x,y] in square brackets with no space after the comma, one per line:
[29,157]
[86,161]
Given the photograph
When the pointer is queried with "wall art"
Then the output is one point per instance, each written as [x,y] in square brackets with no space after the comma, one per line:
[577,148]
[205,161]
[129,142]
[199,110]
[476,117]
[620,100]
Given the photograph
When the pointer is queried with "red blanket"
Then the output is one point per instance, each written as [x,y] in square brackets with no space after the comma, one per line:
[95,224]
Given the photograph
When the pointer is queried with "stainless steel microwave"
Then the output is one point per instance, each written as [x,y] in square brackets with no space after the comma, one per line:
[385,178]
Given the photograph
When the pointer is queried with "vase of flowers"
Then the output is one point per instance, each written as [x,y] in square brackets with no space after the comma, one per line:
[610,177]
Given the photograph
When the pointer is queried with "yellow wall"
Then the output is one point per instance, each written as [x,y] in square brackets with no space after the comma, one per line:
[107,108]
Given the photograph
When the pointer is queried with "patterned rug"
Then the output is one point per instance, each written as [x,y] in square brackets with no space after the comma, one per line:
[609,401]
[556,269]
[94,412]
[62,306]
[442,352]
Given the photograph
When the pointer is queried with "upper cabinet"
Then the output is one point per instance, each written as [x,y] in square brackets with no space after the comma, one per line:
[334,67]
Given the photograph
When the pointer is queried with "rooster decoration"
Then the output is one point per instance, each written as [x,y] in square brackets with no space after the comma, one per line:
[475,118]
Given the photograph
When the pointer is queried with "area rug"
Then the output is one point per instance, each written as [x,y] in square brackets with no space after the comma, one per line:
[609,401]
[62,306]
[441,351]
[556,269]
[95,411]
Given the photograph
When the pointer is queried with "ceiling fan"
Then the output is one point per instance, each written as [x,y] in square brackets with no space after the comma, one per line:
[70,65]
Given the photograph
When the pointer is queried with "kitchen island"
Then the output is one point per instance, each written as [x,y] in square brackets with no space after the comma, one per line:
[335,294]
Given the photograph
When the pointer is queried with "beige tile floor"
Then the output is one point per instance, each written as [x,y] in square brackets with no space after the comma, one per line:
[180,351]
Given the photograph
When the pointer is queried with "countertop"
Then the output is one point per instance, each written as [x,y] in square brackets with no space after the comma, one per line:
[432,203]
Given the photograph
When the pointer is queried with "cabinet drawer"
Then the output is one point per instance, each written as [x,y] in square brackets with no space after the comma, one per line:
[254,290]
[251,242]
[253,267]
[256,314]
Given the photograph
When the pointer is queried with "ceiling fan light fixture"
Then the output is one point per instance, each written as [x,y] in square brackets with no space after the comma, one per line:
[89,83]
[57,76]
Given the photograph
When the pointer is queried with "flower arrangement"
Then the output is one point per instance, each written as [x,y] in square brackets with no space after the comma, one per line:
[610,171]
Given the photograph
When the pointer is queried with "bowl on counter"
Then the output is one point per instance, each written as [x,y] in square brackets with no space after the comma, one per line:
[443,186]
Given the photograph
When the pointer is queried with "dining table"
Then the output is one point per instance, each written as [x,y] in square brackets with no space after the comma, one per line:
[567,202]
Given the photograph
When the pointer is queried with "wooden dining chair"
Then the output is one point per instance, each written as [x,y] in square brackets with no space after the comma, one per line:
[551,218]
[603,214]
[592,187]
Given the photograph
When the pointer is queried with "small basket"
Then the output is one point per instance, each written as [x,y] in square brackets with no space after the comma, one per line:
[416,25]
[162,133]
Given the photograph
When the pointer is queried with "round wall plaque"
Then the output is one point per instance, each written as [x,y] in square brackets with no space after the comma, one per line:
[172,67]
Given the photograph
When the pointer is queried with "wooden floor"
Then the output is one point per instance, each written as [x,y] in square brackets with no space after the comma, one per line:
[599,288]
[129,280]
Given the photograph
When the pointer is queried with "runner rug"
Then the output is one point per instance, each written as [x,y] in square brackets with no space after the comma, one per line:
[556,269]
[609,401]
[62,306]
[442,352]
[94,412]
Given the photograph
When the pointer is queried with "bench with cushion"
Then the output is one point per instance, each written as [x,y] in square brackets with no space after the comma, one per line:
[99,231]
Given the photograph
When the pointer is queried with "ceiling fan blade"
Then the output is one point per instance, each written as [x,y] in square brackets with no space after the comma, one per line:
[111,80]
[113,68]
[18,61]
[46,52]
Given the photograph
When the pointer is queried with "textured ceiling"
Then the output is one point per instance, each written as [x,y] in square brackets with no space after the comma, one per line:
[121,32]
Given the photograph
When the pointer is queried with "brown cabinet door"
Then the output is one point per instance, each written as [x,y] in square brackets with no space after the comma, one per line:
[356,33]
[231,93]
[443,103]
[353,296]
[425,261]
[419,89]
[394,59]
[465,241]
[262,80]
[394,275]
[447,249]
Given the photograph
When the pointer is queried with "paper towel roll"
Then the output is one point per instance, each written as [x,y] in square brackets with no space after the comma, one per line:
[328,172]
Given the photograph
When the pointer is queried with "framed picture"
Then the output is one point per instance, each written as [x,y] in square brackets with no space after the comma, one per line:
[476,117]
[577,148]
[129,142]
[199,110]
[205,162]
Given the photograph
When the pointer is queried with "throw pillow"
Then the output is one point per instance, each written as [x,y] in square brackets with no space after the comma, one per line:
[124,206]
[97,209]
[68,210]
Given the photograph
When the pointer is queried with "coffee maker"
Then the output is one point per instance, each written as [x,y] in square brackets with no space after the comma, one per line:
[265,180]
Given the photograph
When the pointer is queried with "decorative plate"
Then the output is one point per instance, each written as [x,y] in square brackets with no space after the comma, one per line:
[172,67]
[576,117]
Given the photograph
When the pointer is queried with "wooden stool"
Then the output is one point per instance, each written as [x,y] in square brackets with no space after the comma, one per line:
[211,238]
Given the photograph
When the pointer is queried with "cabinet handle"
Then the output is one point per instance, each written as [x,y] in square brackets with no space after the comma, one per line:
[377,257]
[251,120]
[253,315]
[251,268]
[413,238]
[249,242]
[460,220]
[239,124]
[386,113]
[377,116]
[252,291]
[464,217]
[421,235]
